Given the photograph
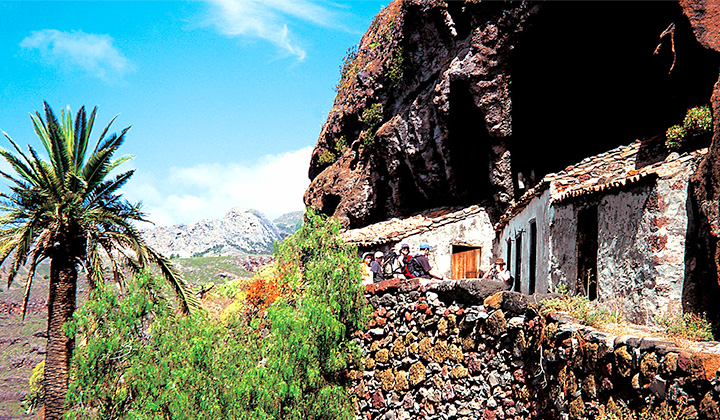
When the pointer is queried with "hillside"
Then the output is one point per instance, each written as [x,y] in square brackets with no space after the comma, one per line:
[239,232]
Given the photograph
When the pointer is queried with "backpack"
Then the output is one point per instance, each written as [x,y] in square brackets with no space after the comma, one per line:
[412,267]
[389,265]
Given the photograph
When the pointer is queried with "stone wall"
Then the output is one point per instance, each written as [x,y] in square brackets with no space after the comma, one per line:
[464,350]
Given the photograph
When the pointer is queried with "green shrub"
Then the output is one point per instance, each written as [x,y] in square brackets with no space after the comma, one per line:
[674,137]
[686,325]
[326,157]
[36,395]
[372,116]
[698,120]
[137,360]
[395,68]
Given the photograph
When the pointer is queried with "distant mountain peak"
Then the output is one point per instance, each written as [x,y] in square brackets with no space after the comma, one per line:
[240,231]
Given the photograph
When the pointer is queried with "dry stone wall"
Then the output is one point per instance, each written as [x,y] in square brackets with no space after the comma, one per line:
[466,350]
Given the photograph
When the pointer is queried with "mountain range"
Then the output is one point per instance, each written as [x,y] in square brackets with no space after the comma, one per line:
[239,232]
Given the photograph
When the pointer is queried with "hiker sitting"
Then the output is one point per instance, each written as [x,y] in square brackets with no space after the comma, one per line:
[422,258]
[498,272]
[376,267]
[367,274]
[407,263]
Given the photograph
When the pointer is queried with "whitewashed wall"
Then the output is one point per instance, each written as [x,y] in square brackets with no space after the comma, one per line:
[476,230]
[539,210]
[641,247]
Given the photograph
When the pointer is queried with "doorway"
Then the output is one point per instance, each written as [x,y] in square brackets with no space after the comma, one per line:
[466,262]
[587,250]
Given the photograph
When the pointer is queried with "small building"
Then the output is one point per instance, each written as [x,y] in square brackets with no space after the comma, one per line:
[612,227]
[462,239]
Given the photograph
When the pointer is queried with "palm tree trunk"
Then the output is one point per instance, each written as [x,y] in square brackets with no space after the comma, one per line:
[61,305]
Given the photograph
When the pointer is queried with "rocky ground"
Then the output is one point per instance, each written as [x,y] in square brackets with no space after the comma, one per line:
[22,345]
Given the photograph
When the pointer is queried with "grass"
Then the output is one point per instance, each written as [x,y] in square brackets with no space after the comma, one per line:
[686,326]
[216,270]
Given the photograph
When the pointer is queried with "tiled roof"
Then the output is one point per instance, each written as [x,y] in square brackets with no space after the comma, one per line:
[395,230]
[613,169]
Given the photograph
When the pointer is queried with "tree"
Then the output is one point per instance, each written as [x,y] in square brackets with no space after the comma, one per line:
[67,210]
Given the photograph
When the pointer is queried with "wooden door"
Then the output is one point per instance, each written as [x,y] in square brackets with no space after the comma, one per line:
[465,262]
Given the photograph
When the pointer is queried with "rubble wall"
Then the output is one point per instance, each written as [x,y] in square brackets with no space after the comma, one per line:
[464,350]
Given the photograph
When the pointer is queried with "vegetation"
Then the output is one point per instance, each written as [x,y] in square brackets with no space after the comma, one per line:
[687,326]
[587,312]
[279,353]
[372,116]
[663,411]
[349,67]
[65,210]
[339,147]
[697,123]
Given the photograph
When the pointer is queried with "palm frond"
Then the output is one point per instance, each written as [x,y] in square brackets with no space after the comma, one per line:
[57,152]
[186,297]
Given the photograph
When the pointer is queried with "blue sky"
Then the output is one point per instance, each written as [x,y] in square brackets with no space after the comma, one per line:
[226,98]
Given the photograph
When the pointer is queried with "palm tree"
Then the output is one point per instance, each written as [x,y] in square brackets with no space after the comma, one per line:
[65,210]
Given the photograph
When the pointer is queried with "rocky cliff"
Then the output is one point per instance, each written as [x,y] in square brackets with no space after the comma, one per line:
[454,103]
[240,231]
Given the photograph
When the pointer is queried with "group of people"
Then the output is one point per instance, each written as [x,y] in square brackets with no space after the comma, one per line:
[378,266]
[406,265]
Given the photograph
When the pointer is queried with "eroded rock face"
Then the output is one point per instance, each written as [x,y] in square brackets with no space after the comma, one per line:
[448,103]
[702,281]
[422,116]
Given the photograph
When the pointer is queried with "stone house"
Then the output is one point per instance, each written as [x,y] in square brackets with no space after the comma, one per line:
[462,239]
[613,227]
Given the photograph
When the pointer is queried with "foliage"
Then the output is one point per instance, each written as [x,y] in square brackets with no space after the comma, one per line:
[330,156]
[587,312]
[688,326]
[697,122]
[349,67]
[141,362]
[372,116]
[36,394]
[68,206]
[313,323]
[261,293]
[395,68]
[663,411]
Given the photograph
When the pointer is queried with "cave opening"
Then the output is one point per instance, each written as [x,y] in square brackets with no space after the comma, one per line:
[584,80]
[468,143]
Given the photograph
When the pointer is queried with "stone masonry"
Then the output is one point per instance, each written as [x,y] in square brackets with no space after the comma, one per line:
[466,350]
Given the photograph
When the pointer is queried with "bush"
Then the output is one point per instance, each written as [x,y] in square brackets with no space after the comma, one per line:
[36,396]
[674,137]
[687,326]
[137,360]
[698,120]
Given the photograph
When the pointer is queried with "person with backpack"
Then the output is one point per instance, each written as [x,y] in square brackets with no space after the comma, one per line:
[409,267]
[422,259]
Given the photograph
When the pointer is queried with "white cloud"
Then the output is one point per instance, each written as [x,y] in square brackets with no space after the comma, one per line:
[274,185]
[268,20]
[92,53]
